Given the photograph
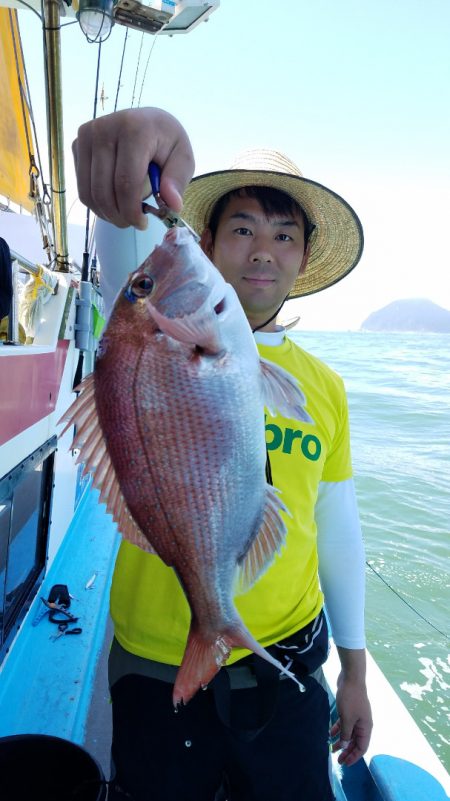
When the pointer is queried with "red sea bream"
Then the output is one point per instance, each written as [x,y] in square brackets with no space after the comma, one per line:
[175,410]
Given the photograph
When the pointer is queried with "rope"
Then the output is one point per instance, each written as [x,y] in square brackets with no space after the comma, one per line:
[21,90]
[35,172]
[46,81]
[413,608]
[30,110]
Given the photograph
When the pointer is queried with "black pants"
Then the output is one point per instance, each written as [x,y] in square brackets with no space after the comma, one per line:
[163,755]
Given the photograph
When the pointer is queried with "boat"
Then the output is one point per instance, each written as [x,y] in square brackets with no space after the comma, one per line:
[53,530]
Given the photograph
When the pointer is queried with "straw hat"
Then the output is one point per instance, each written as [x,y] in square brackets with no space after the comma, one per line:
[337,240]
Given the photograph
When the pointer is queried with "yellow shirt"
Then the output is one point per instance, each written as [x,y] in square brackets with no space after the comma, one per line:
[150,612]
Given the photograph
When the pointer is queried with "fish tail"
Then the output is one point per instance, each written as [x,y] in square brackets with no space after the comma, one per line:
[204,657]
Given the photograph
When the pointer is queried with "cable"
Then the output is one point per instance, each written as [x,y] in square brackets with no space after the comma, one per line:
[22,2]
[419,614]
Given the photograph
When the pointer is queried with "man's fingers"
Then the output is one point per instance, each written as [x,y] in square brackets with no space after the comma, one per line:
[94,155]
[104,200]
[131,184]
[82,158]
[350,754]
[112,154]
[176,174]
[154,135]
[351,746]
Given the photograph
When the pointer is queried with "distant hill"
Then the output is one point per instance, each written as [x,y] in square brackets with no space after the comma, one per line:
[409,315]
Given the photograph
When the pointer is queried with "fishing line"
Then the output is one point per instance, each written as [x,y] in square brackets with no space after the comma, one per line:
[137,70]
[121,68]
[419,614]
[85,267]
[146,67]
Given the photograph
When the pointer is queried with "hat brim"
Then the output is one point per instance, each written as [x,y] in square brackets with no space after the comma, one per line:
[336,242]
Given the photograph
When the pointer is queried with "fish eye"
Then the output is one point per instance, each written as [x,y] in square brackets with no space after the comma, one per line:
[141,286]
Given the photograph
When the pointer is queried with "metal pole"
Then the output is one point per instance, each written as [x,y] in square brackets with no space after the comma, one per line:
[27,265]
[13,323]
[55,132]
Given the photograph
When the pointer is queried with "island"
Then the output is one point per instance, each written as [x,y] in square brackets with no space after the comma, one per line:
[418,314]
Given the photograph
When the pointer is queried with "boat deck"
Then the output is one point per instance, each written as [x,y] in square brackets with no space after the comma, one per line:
[97,735]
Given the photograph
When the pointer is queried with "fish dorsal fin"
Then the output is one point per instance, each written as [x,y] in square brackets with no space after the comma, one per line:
[265,545]
[281,392]
[96,459]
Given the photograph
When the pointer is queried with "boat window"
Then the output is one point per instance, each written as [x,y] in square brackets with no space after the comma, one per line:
[25,498]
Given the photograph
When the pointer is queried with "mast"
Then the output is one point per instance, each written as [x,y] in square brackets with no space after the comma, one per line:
[56,132]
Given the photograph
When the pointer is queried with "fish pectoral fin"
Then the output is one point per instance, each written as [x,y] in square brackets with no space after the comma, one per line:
[94,455]
[194,329]
[281,392]
[269,540]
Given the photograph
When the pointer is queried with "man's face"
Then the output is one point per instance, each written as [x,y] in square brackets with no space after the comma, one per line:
[259,256]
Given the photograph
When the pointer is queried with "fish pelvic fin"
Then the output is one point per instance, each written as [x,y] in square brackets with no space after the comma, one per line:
[268,542]
[94,456]
[204,657]
[281,392]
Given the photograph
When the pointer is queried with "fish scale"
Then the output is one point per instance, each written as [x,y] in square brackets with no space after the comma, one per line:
[174,436]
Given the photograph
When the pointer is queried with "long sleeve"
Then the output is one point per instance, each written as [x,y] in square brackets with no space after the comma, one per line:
[341,561]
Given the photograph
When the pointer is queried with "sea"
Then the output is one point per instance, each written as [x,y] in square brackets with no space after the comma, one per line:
[398,387]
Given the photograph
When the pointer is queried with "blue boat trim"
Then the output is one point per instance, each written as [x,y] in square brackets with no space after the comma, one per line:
[398,780]
[46,686]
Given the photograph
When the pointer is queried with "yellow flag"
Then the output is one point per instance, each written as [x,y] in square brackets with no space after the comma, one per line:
[14,154]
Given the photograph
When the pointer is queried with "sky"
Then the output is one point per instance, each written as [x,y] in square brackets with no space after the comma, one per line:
[356,92]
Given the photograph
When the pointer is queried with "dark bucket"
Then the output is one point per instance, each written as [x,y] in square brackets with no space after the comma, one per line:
[37,767]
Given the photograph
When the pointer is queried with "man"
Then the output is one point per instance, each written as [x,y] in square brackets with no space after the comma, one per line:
[273,235]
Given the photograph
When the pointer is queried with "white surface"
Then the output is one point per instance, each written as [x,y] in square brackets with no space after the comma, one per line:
[395,733]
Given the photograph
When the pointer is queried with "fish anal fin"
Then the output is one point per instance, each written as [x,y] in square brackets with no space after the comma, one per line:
[204,656]
[281,392]
[97,461]
[268,542]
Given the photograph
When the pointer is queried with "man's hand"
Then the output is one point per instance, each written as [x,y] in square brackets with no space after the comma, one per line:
[112,154]
[354,725]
